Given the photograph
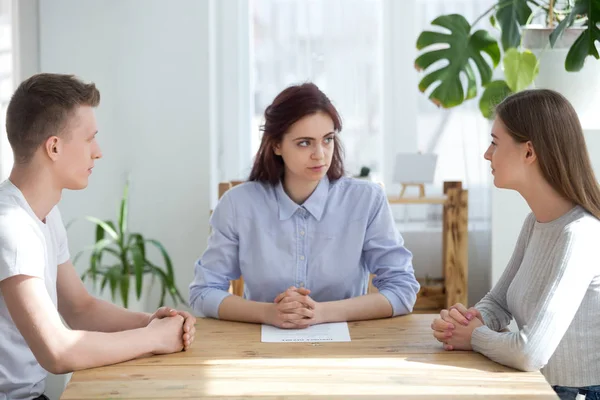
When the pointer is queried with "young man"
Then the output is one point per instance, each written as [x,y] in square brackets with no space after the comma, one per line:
[51,128]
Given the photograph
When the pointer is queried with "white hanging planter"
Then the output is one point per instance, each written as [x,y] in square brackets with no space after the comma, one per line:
[581,88]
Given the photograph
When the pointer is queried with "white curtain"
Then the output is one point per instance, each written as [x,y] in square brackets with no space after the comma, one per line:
[337,45]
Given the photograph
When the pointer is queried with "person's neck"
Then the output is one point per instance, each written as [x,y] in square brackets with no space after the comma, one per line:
[38,188]
[545,202]
[299,191]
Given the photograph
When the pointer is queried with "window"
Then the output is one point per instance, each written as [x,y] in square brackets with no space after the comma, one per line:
[337,44]
[362,59]
[6,82]
[361,54]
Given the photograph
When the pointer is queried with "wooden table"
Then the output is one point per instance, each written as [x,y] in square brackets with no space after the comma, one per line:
[389,358]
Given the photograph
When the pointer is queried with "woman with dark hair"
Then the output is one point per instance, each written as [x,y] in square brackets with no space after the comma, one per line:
[304,237]
[551,286]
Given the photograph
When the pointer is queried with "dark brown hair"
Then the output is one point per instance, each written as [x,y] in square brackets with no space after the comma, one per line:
[549,121]
[40,108]
[291,105]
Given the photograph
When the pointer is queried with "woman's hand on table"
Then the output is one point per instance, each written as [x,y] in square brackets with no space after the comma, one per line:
[294,309]
[454,330]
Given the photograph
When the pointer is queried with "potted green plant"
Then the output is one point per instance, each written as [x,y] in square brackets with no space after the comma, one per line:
[461,49]
[364,173]
[119,258]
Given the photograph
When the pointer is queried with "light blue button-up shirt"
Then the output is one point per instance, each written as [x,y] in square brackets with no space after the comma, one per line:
[329,244]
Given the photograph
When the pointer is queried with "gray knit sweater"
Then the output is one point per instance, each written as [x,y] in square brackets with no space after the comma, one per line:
[551,287]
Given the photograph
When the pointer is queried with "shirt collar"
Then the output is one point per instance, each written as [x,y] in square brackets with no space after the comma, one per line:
[315,204]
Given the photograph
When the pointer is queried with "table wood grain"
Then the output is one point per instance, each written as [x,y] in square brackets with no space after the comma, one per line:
[388,358]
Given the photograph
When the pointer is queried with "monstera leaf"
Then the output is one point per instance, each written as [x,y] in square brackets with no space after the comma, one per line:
[511,15]
[460,49]
[520,70]
[494,93]
[585,45]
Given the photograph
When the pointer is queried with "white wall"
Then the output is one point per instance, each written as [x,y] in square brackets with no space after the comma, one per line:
[26,40]
[153,70]
[152,64]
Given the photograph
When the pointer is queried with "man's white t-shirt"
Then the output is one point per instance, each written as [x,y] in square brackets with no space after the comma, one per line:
[30,247]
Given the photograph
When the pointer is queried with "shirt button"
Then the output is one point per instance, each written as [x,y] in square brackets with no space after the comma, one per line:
[302,257]
[301,284]
[302,233]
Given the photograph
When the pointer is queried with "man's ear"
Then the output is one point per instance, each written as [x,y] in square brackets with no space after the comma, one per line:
[52,147]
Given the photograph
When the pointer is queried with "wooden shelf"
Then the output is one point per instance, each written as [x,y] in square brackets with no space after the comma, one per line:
[452,287]
[431,297]
[417,200]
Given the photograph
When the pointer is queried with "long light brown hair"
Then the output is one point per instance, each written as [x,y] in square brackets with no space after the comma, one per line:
[549,121]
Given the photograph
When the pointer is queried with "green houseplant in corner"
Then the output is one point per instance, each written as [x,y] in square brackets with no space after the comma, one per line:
[119,259]
[460,49]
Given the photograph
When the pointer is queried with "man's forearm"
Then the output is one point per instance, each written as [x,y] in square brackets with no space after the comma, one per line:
[102,316]
[83,349]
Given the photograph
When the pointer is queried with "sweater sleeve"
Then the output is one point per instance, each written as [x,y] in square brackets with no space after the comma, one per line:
[552,311]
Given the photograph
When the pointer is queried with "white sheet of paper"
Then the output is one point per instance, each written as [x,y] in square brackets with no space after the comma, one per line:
[330,332]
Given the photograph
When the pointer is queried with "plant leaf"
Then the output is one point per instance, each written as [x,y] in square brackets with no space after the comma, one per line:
[585,45]
[163,292]
[511,15]
[460,49]
[581,7]
[125,289]
[114,277]
[166,258]
[138,262]
[493,21]
[99,233]
[124,210]
[138,240]
[494,93]
[100,236]
[520,69]
[106,226]
[164,281]
[95,258]
[167,285]
[104,281]
[102,245]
